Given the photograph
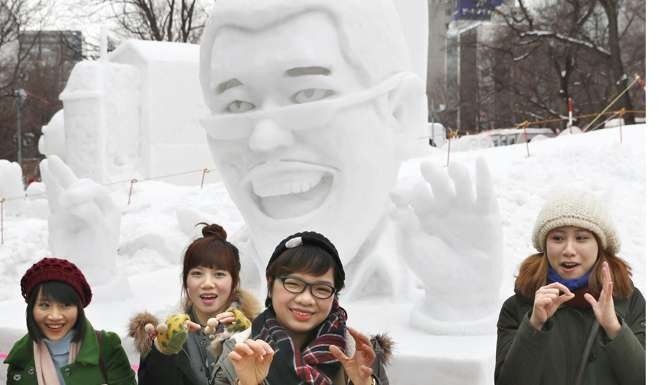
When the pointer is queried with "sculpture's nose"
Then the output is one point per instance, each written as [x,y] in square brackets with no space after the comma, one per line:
[267,135]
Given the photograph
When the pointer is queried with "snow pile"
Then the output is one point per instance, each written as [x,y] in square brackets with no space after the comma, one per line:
[156,227]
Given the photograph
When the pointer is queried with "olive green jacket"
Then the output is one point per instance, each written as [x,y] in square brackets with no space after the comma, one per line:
[85,370]
[552,355]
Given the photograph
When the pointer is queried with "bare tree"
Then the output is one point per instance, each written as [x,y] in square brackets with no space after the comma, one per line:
[572,48]
[17,16]
[161,20]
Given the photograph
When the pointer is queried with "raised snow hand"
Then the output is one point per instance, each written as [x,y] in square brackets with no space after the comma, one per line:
[82,218]
[452,240]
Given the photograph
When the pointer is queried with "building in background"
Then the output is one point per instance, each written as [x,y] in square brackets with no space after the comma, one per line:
[45,60]
[461,83]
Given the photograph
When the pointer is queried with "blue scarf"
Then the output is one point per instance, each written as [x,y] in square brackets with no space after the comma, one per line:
[572,284]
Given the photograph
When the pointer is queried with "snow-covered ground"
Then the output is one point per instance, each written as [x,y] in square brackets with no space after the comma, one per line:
[154,232]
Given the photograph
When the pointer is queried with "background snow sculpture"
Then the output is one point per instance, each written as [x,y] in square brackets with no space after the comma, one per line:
[83,226]
[124,118]
[11,186]
[314,140]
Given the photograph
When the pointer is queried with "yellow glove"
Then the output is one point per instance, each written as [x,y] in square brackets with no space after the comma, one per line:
[241,323]
[172,334]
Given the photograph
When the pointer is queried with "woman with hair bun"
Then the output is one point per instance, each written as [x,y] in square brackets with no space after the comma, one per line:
[576,316]
[211,295]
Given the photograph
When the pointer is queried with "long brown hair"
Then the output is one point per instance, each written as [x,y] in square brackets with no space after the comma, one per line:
[214,251]
[533,274]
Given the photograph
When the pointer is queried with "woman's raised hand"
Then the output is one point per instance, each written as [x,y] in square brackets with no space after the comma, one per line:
[226,318]
[604,307]
[358,367]
[251,360]
[547,301]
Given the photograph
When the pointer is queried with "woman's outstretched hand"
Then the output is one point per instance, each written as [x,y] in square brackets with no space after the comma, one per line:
[358,367]
[547,300]
[604,307]
[252,360]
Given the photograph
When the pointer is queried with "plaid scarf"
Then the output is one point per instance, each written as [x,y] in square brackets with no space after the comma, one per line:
[315,365]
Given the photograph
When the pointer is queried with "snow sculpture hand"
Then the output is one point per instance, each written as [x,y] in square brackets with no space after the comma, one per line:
[451,238]
[83,224]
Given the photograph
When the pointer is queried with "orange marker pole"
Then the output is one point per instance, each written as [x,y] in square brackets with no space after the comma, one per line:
[204,172]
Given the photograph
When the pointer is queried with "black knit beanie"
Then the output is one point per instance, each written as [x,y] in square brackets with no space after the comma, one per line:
[308,238]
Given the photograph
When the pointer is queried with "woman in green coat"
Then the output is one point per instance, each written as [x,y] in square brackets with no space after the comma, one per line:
[576,317]
[62,347]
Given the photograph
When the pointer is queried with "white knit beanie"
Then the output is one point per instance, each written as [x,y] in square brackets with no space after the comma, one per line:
[579,209]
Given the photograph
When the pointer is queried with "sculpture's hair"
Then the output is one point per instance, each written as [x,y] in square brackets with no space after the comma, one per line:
[370,33]
[533,274]
[211,250]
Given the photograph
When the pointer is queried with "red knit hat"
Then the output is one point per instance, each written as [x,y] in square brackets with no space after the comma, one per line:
[56,269]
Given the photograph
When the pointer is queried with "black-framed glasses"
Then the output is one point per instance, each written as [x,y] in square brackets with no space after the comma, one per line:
[296,286]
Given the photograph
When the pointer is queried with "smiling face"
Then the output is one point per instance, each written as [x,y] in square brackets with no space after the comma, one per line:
[571,251]
[300,141]
[54,319]
[209,290]
[303,312]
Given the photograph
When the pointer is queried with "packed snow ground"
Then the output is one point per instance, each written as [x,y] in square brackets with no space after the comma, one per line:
[156,228]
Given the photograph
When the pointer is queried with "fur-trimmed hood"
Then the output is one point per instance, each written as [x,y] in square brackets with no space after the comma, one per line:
[248,304]
[384,344]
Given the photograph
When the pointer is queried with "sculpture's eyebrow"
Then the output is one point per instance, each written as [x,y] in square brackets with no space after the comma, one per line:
[304,71]
[224,86]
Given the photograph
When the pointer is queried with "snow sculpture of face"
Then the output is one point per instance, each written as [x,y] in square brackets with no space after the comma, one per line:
[303,139]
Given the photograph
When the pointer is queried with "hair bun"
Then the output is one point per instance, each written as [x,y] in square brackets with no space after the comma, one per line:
[214,230]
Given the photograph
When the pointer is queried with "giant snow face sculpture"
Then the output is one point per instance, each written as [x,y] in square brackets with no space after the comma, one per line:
[304,135]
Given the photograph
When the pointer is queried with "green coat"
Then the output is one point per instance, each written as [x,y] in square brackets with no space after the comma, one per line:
[552,356]
[85,370]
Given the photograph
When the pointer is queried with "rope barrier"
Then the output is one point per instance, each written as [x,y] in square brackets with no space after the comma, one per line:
[581,116]
[632,83]
[208,171]
[451,135]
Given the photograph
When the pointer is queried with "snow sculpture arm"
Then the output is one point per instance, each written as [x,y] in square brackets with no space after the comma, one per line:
[451,238]
[83,224]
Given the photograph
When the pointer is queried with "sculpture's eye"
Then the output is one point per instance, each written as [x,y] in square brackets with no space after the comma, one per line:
[238,106]
[311,95]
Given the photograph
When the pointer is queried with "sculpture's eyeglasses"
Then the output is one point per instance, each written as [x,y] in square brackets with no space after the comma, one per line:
[297,286]
[237,126]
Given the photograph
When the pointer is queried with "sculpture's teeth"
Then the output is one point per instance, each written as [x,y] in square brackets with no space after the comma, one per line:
[286,184]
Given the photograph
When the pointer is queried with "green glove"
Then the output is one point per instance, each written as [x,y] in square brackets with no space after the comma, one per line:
[170,340]
[241,323]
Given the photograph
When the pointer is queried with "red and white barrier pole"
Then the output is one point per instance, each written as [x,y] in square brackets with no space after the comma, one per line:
[570,114]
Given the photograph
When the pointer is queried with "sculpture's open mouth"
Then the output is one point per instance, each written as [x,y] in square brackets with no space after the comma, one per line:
[289,189]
